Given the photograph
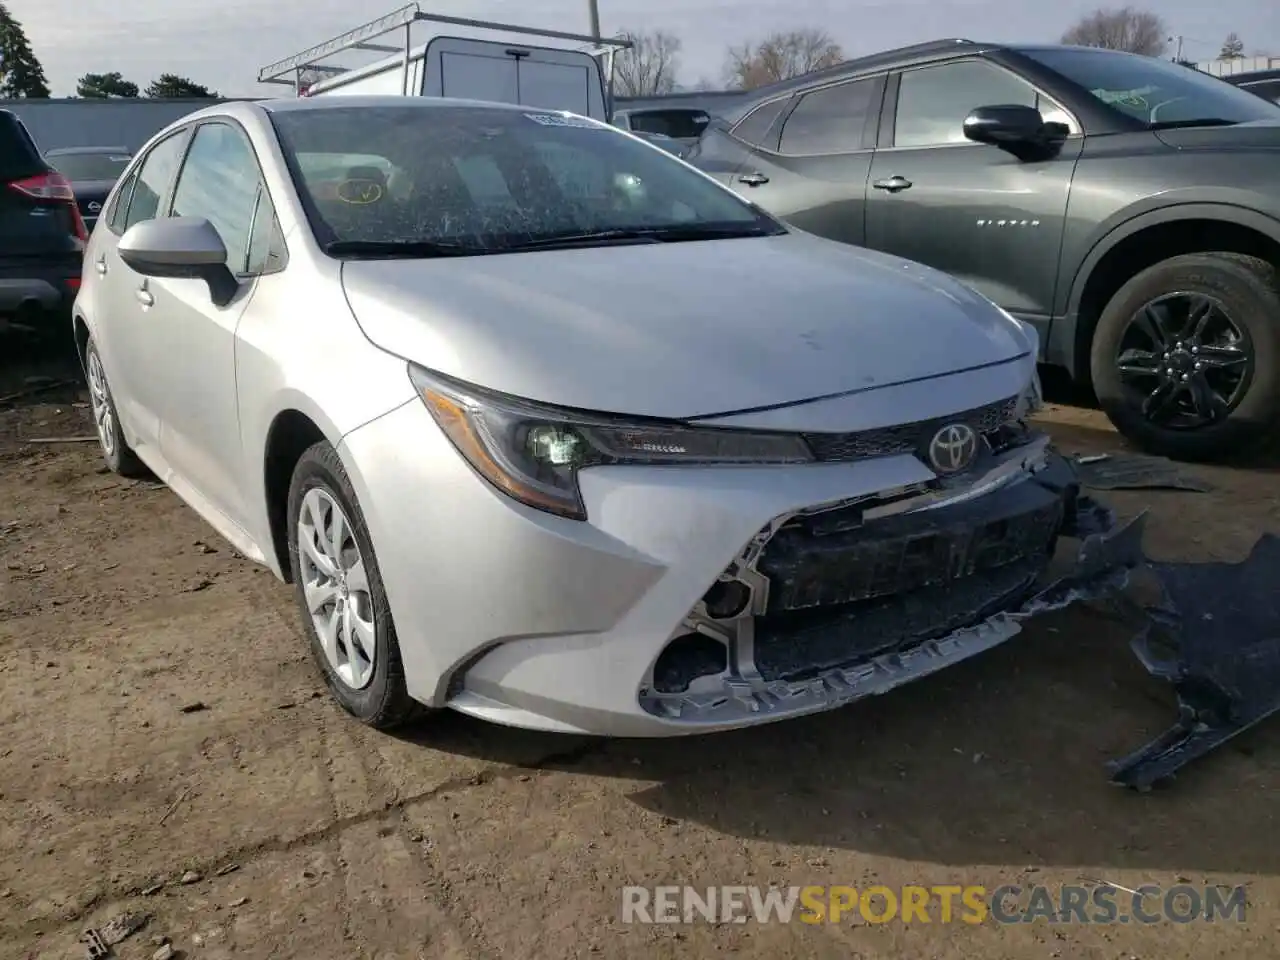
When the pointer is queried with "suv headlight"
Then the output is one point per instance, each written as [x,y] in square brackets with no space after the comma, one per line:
[533,452]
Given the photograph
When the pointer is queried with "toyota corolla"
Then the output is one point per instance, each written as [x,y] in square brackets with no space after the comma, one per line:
[548,427]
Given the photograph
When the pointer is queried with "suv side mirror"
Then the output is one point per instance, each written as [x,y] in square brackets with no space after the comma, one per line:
[1018,129]
[180,248]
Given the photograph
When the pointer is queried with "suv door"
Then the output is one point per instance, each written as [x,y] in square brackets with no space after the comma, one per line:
[221,181]
[814,175]
[125,334]
[974,211]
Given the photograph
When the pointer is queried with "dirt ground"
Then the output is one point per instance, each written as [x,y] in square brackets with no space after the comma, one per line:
[159,714]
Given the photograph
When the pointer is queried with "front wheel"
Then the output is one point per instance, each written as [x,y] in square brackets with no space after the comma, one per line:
[1186,356]
[340,593]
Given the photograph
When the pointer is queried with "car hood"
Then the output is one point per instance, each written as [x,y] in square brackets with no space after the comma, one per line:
[1254,135]
[680,330]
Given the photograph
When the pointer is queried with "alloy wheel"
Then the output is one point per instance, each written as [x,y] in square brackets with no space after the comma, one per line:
[100,404]
[1188,359]
[336,587]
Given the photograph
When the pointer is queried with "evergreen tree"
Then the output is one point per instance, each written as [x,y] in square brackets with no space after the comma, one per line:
[172,85]
[21,74]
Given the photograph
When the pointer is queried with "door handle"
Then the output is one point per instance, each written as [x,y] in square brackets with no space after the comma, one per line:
[101,266]
[892,184]
[753,179]
[144,297]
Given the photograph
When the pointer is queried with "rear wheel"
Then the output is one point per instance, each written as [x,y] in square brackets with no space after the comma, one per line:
[340,593]
[1186,356]
[115,450]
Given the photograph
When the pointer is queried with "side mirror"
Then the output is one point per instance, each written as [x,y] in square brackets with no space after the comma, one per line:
[1018,129]
[180,248]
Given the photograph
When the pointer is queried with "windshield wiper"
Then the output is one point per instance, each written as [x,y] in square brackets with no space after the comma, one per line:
[1198,122]
[380,249]
[676,233]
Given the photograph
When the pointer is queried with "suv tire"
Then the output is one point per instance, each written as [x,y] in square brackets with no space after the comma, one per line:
[1245,291]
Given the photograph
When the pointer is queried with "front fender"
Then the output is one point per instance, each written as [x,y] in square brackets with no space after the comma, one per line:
[1223,204]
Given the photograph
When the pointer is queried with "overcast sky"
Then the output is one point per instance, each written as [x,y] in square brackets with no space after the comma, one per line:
[222,44]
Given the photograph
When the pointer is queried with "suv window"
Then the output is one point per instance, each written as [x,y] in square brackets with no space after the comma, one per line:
[153,179]
[831,120]
[219,181]
[19,157]
[754,127]
[684,123]
[933,101]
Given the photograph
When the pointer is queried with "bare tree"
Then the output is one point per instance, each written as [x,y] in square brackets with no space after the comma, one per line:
[648,68]
[1124,28]
[780,56]
[1232,47]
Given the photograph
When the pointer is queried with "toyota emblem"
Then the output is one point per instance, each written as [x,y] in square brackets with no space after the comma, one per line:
[953,448]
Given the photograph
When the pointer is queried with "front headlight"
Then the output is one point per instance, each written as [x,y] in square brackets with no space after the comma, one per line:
[533,452]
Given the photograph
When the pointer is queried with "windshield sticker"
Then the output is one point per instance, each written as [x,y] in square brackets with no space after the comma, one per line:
[562,120]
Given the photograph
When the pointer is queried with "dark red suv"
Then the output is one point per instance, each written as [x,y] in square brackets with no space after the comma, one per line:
[42,235]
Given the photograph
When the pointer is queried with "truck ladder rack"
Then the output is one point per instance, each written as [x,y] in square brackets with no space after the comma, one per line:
[290,70]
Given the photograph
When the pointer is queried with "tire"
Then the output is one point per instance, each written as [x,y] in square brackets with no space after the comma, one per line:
[370,688]
[117,453]
[1245,290]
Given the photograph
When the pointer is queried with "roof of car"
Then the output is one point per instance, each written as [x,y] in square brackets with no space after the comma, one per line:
[392,100]
[71,151]
[1251,76]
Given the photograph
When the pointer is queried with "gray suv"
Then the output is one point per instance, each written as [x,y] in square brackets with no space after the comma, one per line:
[1125,206]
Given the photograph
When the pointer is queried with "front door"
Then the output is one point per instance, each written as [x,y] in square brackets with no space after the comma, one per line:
[971,210]
[200,424]
[816,175]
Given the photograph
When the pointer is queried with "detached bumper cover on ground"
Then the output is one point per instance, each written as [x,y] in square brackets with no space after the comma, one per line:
[1216,638]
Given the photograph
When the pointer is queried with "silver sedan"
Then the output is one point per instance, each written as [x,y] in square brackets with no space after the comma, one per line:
[548,427]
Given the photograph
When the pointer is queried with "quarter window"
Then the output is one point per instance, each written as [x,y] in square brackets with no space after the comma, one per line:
[933,101]
[154,177]
[831,120]
[220,181]
[120,205]
[754,127]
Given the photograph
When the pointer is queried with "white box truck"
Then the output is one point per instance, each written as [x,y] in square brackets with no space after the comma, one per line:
[504,70]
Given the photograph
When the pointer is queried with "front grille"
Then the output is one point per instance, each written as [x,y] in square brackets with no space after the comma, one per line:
[906,437]
[810,564]
[799,647]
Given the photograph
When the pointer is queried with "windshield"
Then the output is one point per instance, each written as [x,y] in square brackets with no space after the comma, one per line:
[89,166]
[1157,92]
[487,180]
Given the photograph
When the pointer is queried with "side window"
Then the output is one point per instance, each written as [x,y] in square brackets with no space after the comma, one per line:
[831,120]
[933,101]
[219,181]
[154,177]
[684,123]
[755,126]
[266,244]
[120,205]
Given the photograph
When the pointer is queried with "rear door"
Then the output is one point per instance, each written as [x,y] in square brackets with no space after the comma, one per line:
[514,73]
[814,175]
[127,338]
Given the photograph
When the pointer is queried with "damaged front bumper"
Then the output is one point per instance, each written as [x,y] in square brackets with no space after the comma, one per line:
[828,606]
